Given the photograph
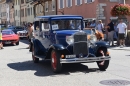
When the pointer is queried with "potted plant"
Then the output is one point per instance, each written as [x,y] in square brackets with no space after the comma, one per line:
[120,10]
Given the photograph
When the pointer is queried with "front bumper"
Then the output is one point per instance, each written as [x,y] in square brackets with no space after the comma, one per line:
[85,59]
[9,41]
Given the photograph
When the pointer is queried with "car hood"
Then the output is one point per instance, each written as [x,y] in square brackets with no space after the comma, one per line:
[5,37]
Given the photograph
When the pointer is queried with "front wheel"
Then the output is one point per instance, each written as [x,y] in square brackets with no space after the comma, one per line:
[103,65]
[35,60]
[55,61]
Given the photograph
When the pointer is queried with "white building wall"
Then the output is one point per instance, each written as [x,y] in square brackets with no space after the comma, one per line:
[7,10]
[30,18]
[17,12]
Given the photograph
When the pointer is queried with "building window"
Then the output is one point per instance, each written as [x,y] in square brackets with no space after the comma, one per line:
[114,0]
[53,5]
[89,1]
[121,1]
[22,12]
[15,12]
[22,1]
[16,2]
[46,6]
[78,2]
[28,11]
[61,4]
[25,11]
[68,3]
[31,10]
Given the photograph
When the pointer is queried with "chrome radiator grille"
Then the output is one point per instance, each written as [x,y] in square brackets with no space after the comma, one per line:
[80,43]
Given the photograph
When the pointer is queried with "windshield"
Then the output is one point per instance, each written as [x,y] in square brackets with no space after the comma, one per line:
[66,24]
[10,28]
[89,31]
[7,32]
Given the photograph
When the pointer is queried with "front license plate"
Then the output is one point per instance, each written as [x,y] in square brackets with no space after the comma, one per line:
[70,56]
[7,42]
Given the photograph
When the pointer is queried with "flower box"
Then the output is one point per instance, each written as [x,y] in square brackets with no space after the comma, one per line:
[120,10]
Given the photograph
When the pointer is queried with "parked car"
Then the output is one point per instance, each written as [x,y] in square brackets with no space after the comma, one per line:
[9,37]
[21,31]
[61,39]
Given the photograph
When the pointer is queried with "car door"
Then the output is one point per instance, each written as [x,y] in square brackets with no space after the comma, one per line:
[44,35]
[36,30]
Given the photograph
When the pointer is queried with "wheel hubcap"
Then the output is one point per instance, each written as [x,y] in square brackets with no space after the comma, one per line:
[54,61]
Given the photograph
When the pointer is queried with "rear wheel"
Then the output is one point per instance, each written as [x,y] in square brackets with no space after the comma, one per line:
[103,65]
[35,60]
[55,61]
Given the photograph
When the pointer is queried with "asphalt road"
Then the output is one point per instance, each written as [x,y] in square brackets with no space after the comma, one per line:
[17,69]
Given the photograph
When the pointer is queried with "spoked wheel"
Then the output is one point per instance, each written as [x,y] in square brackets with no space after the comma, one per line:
[103,65]
[55,61]
[35,60]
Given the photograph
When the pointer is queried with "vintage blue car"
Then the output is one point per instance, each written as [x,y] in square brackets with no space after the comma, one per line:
[61,39]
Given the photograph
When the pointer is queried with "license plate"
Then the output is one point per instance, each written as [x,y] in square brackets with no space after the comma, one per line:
[7,42]
[70,56]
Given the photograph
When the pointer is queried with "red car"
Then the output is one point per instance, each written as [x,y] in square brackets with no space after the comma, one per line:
[9,37]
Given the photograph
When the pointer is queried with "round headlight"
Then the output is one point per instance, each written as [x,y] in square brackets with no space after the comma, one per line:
[93,38]
[69,39]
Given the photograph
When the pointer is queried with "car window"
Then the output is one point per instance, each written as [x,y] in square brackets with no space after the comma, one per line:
[10,28]
[7,32]
[19,28]
[88,31]
[68,24]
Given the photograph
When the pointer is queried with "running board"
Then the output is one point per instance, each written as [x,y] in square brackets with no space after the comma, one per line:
[40,56]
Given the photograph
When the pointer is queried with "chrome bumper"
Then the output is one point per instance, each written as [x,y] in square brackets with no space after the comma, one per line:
[85,59]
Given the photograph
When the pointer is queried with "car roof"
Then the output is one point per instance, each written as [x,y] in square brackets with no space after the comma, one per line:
[52,16]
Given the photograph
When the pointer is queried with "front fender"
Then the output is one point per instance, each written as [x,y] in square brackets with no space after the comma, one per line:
[57,47]
[100,44]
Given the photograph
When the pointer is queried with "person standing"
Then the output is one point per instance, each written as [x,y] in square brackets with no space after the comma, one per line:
[1,45]
[121,32]
[110,29]
[93,24]
[100,29]
[30,35]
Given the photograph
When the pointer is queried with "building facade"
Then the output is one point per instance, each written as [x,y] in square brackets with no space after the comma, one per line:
[17,12]
[44,7]
[4,14]
[11,13]
[89,9]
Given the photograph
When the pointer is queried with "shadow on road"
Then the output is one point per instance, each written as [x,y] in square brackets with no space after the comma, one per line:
[121,49]
[44,68]
[24,41]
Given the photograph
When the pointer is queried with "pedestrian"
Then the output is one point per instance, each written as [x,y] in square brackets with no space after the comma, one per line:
[30,35]
[93,24]
[121,32]
[116,32]
[1,45]
[110,29]
[100,29]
